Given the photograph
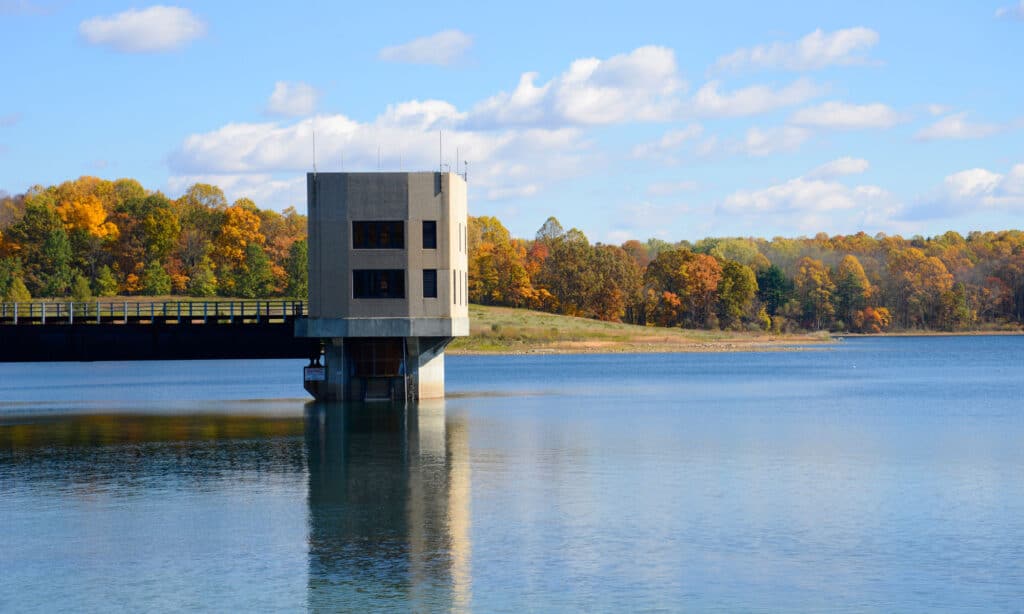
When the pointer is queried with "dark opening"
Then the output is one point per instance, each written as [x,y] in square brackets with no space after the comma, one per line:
[375,357]
[429,283]
[378,283]
[378,235]
[429,234]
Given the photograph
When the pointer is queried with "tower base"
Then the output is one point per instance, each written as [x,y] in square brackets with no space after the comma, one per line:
[378,369]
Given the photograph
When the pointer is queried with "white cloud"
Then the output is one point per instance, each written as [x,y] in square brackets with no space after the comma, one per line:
[150,30]
[759,143]
[292,99]
[972,190]
[839,168]
[670,188]
[441,49]
[801,194]
[1011,12]
[753,100]
[956,126]
[845,116]
[505,164]
[669,142]
[636,86]
[937,109]
[816,50]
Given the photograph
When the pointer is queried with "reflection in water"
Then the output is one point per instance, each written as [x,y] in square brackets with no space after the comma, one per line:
[389,492]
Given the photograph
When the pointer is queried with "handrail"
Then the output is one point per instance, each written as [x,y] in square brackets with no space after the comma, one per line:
[149,312]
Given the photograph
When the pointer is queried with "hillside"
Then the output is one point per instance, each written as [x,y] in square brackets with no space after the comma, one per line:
[504,330]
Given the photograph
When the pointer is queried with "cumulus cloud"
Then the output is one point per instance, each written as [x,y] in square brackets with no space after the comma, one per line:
[840,168]
[292,99]
[759,143]
[816,50]
[1011,12]
[636,86]
[957,126]
[971,190]
[815,202]
[505,163]
[150,30]
[669,142]
[441,49]
[709,101]
[845,116]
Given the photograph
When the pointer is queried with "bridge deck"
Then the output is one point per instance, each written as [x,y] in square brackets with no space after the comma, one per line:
[119,330]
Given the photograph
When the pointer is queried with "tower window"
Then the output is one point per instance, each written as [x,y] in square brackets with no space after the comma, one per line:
[378,283]
[378,235]
[429,234]
[429,283]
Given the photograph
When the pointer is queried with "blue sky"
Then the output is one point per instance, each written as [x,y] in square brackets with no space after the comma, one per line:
[647,119]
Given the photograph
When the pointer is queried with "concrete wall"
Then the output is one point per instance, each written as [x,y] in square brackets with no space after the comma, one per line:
[337,199]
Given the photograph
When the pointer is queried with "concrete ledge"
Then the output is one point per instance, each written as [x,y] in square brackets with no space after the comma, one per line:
[324,328]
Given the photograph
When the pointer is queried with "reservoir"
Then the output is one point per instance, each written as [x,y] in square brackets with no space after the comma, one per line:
[873,474]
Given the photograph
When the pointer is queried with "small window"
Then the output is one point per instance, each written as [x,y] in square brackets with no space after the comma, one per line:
[429,283]
[429,234]
[376,283]
[378,235]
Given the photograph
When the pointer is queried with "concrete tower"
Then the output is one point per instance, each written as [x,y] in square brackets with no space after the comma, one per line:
[387,282]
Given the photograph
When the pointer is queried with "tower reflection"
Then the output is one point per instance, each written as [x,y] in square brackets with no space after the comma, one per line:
[389,515]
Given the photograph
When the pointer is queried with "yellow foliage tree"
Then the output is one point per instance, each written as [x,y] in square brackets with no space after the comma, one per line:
[86,212]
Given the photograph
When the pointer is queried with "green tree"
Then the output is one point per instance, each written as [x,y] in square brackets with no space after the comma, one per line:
[736,292]
[17,292]
[155,279]
[80,290]
[297,269]
[774,289]
[106,284]
[255,278]
[202,281]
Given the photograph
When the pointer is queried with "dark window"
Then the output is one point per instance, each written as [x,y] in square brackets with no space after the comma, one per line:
[429,283]
[377,283]
[378,235]
[429,234]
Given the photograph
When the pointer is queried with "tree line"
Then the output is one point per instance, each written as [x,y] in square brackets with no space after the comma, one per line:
[93,237]
[857,283]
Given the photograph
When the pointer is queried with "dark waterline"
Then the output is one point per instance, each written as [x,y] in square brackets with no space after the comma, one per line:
[881,475]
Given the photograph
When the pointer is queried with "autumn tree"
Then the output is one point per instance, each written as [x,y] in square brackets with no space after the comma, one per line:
[736,290]
[816,292]
[853,290]
[497,265]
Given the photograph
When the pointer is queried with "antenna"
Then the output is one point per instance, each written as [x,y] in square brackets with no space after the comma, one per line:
[314,148]
[465,176]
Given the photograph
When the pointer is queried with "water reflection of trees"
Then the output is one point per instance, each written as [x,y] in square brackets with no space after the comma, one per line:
[140,451]
[388,508]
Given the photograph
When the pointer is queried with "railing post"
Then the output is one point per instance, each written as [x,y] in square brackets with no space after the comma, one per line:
[44,312]
[71,312]
[179,312]
[204,311]
[15,313]
[231,319]
[126,311]
[257,312]
[98,309]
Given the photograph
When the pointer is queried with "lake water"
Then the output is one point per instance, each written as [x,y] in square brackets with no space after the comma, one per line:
[875,475]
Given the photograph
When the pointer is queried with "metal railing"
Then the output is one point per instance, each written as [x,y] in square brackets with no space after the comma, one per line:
[162,312]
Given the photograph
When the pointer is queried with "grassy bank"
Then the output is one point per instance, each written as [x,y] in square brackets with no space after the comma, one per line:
[502,330]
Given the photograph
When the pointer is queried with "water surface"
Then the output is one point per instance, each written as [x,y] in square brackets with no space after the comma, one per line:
[878,475]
